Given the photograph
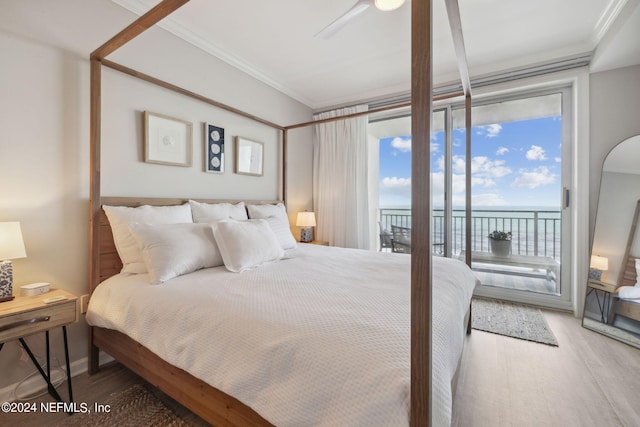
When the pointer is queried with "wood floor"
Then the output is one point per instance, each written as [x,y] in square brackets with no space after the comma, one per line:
[590,380]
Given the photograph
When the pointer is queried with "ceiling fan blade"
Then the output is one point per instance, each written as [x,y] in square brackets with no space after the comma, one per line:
[337,25]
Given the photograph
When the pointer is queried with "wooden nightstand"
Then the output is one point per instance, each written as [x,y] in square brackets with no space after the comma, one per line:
[606,289]
[317,242]
[31,315]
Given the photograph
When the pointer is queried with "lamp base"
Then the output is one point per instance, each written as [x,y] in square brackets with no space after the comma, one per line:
[6,281]
[306,235]
[595,274]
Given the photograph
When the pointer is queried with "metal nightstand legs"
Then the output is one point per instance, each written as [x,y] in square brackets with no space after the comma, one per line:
[47,376]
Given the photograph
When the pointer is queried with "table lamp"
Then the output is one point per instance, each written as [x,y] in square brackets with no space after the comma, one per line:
[597,265]
[11,247]
[306,220]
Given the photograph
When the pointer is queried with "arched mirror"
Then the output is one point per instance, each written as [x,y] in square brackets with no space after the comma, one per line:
[612,303]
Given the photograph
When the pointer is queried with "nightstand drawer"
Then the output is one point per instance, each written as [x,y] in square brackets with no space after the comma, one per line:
[37,320]
[603,286]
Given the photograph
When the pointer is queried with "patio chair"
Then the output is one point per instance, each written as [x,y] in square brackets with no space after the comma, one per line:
[401,242]
[386,238]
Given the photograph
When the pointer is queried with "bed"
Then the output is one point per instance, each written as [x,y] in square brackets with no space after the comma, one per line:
[320,337]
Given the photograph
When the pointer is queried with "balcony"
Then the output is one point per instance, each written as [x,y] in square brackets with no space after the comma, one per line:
[534,264]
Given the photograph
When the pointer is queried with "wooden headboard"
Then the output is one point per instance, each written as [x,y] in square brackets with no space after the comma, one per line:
[627,276]
[107,261]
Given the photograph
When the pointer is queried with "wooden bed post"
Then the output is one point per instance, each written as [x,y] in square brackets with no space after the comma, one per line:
[467,208]
[285,134]
[94,196]
[421,308]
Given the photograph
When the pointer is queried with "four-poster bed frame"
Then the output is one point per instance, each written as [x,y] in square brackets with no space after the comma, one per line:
[208,402]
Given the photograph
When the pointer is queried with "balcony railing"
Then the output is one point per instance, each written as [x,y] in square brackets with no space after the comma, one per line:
[534,232]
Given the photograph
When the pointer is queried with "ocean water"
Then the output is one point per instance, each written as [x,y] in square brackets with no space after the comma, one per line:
[536,231]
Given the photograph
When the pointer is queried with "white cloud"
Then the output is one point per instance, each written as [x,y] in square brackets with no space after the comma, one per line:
[533,178]
[485,167]
[502,151]
[491,131]
[401,144]
[484,171]
[395,183]
[536,153]
[558,159]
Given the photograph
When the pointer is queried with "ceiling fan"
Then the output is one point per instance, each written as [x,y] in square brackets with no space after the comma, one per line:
[357,9]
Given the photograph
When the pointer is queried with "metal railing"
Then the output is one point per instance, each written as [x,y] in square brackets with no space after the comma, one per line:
[533,232]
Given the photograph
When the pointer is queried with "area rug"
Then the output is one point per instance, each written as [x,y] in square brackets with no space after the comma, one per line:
[135,407]
[512,320]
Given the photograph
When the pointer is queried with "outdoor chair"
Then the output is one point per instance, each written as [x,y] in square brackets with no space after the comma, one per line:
[401,242]
[386,238]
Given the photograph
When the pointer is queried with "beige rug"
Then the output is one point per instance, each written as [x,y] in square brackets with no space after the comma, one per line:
[512,320]
[134,407]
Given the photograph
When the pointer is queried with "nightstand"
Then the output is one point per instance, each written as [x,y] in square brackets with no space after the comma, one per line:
[317,242]
[26,316]
[606,289]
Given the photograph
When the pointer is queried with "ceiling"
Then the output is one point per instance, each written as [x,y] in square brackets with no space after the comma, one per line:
[274,40]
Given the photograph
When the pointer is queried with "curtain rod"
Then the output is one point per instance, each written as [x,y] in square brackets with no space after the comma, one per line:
[375,110]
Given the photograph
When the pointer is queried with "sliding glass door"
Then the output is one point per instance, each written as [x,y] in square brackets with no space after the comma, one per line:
[519,170]
[519,206]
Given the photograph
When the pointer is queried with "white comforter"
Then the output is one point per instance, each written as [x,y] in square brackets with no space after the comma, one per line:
[321,338]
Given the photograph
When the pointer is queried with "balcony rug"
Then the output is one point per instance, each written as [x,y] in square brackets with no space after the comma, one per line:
[135,407]
[512,320]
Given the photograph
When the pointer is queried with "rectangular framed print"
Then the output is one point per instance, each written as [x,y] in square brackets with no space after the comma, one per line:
[213,148]
[249,157]
[167,140]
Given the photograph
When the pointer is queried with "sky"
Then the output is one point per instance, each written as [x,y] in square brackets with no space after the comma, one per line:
[514,165]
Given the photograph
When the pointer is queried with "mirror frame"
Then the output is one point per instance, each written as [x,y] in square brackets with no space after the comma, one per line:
[604,324]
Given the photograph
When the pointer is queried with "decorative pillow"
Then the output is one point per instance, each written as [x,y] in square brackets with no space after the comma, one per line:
[210,212]
[171,250]
[246,244]
[120,217]
[276,216]
[629,292]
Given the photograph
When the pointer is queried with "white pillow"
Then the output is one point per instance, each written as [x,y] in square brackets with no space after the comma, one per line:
[121,217]
[171,250]
[629,292]
[210,212]
[246,244]
[276,216]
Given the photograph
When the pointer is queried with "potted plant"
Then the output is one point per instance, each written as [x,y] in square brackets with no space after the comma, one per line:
[500,243]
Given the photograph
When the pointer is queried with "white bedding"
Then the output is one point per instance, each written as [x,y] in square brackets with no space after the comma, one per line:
[320,338]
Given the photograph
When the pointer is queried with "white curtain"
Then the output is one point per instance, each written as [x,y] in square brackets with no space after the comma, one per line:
[341,180]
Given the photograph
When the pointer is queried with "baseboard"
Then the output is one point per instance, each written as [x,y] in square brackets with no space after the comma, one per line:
[36,384]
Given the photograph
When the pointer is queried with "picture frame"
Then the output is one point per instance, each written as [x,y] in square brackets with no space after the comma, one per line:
[168,141]
[249,157]
[214,158]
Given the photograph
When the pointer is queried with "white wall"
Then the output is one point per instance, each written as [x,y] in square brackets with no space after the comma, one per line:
[44,155]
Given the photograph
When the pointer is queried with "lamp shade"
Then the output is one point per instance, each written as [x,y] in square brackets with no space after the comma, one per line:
[306,219]
[387,5]
[11,244]
[599,262]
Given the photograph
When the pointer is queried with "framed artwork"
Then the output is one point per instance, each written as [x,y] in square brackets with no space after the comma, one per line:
[167,140]
[249,157]
[213,148]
